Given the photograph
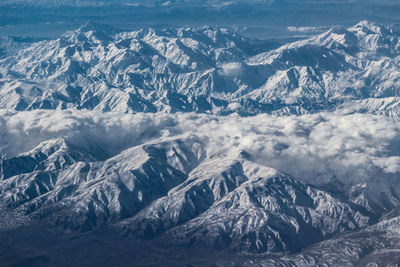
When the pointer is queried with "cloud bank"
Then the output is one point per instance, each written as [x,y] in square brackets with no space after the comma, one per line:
[351,148]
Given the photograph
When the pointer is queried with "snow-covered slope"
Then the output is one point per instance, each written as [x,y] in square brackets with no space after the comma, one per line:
[139,136]
[251,185]
[207,70]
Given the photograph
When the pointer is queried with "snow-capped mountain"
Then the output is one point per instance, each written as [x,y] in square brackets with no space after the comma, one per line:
[208,70]
[253,186]
[146,193]
[135,142]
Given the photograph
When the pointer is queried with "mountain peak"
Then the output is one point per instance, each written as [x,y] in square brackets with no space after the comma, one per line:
[367,27]
[198,69]
[94,30]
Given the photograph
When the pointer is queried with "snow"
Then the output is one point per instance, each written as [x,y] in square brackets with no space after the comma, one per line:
[144,132]
[357,146]
[168,70]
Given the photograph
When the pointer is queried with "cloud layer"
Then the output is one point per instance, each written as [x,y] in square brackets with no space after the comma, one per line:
[351,148]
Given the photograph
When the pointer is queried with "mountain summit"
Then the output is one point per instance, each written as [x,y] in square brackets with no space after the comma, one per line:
[209,70]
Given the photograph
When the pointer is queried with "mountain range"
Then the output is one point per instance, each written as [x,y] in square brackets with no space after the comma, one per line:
[199,146]
[207,70]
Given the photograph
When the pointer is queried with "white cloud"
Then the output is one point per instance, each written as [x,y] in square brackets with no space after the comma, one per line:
[389,164]
[231,69]
[291,99]
[353,148]
[305,29]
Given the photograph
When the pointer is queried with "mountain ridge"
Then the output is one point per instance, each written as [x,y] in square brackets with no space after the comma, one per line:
[206,69]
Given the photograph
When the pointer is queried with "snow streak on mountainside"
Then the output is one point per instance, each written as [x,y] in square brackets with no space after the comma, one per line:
[207,70]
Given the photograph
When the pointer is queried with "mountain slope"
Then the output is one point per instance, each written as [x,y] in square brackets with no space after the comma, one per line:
[197,145]
[207,70]
[227,183]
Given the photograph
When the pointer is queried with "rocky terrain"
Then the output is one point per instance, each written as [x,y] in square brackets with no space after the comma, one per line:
[201,144]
